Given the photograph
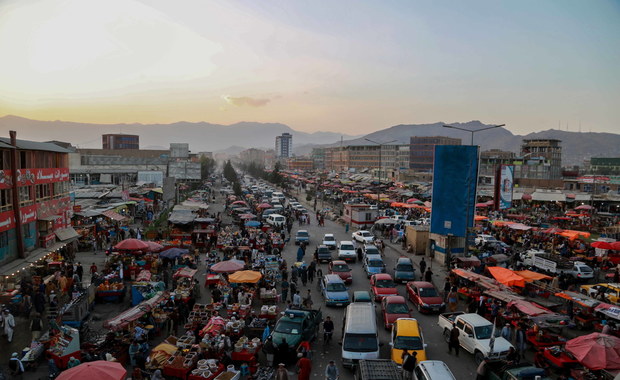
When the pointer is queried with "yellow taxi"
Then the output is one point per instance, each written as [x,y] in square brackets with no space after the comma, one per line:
[406,334]
[604,292]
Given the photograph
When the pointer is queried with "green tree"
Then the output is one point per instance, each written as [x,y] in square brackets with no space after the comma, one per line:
[237,189]
[207,167]
[229,172]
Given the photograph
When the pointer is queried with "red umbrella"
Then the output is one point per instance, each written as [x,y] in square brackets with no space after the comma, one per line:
[526,197]
[584,207]
[247,216]
[264,205]
[100,370]
[596,351]
[615,245]
[239,203]
[154,247]
[228,266]
[553,230]
[132,245]
[411,200]
[601,245]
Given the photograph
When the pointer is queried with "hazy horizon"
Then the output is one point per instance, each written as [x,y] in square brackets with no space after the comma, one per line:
[351,67]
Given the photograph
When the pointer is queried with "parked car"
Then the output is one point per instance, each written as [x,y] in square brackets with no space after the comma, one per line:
[392,308]
[334,291]
[404,271]
[323,254]
[340,268]
[483,239]
[302,236]
[373,264]
[346,251]
[425,297]
[363,236]
[406,335]
[382,285]
[371,249]
[361,296]
[330,241]
[433,370]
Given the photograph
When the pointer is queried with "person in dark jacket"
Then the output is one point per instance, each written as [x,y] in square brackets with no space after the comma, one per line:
[453,342]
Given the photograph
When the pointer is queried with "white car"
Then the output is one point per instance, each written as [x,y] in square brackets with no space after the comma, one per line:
[346,251]
[363,236]
[482,239]
[330,241]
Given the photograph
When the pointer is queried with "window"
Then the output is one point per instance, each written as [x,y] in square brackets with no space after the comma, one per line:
[60,189]
[468,330]
[6,200]
[42,191]
[4,239]
[27,231]
[25,198]
[460,325]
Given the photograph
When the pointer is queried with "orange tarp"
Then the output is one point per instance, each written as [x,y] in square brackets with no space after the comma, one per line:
[506,276]
[480,217]
[245,276]
[530,276]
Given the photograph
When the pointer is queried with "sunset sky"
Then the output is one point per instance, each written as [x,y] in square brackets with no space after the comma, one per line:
[344,66]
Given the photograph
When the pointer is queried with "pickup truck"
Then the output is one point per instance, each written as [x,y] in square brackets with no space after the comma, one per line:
[296,326]
[557,265]
[474,335]
[502,371]
[378,369]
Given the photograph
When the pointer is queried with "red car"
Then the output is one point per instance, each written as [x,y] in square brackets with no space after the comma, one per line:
[425,297]
[392,308]
[382,285]
[341,268]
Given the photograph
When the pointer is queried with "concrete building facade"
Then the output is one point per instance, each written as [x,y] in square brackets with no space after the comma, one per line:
[284,145]
[422,151]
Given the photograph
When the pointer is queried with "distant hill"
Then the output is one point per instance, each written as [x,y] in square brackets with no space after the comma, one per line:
[200,136]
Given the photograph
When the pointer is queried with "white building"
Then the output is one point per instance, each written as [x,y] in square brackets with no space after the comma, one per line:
[284,145]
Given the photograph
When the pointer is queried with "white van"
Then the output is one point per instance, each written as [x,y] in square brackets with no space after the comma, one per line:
[276,220]
[279,195]
[360,339]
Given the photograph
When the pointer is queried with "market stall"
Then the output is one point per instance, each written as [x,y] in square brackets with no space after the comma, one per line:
[64,345]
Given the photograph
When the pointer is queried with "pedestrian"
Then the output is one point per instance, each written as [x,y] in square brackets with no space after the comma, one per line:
[409,363]
[93,269]
[283,351]
[281,372]
[79,269]
[294,273]
[296,299]
[453,300]
[506,332]
[303,274]
[16,367]
[520,340]
[422,265]
[308,300]
[269,349]
[331,371]
[446,289]
[293,289]
[36,326]
[428,275]
[300,254]
[285,285]
[481,371]
[9,324]
[311,271]
[304,366]
[359,253]
[453,342]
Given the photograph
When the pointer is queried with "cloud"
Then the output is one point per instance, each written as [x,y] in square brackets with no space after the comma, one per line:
[242,101]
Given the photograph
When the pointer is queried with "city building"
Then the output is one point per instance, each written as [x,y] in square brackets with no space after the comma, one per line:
[253,155]
[605,165]
[284,145]
[35,206]
[120,141]
[318,156]
[541,159]
[300,164]
[422,151]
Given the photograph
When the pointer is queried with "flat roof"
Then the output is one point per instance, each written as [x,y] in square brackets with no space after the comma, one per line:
[360,318]
[34,145]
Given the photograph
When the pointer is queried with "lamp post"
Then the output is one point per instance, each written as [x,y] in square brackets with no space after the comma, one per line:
[468,216]
[380,164]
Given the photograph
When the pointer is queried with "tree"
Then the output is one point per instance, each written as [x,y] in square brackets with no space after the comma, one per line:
[229,172]
[237,189]
[207,167]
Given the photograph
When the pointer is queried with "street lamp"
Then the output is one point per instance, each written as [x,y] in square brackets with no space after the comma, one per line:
[380,165]
[468,216]
[472,131]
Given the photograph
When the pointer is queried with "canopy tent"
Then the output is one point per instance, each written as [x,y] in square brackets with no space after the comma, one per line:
[111,214]
[125,318]
[506,276]
[601,245]
[185,272]
[181,217]
[528,308]
[173,253]
[132,245]
[482,281]
[578,298]
[479,218]
[245,276]
[228,266]
[154,247]
[99,369]
[611,311]
[264,205]
[385,221]
[530,276]
[596,351]
[572,235]
[252,223]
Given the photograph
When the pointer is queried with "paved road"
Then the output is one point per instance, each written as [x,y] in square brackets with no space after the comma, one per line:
[462,367]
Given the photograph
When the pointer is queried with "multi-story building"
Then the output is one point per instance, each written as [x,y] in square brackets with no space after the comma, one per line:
[253,155]
[284,145]
[318,156]
[605,165]
[422,151]
[120,141]
[300,164]
[542,160]
[35,207]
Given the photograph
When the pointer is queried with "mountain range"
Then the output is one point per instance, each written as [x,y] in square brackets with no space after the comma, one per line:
[202,136]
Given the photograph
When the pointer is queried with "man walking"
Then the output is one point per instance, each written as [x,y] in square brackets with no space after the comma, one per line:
[453,342]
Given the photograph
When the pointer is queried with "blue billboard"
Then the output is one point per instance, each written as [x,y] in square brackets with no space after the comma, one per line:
[455,175]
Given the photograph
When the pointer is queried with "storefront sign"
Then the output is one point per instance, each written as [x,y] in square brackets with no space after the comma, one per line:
[6,179]
[53,207]
[7,221]
[28,214]
[51,175]
[25,177]
[46,241]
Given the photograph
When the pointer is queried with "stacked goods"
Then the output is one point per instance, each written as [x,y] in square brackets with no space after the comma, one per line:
[106,286]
